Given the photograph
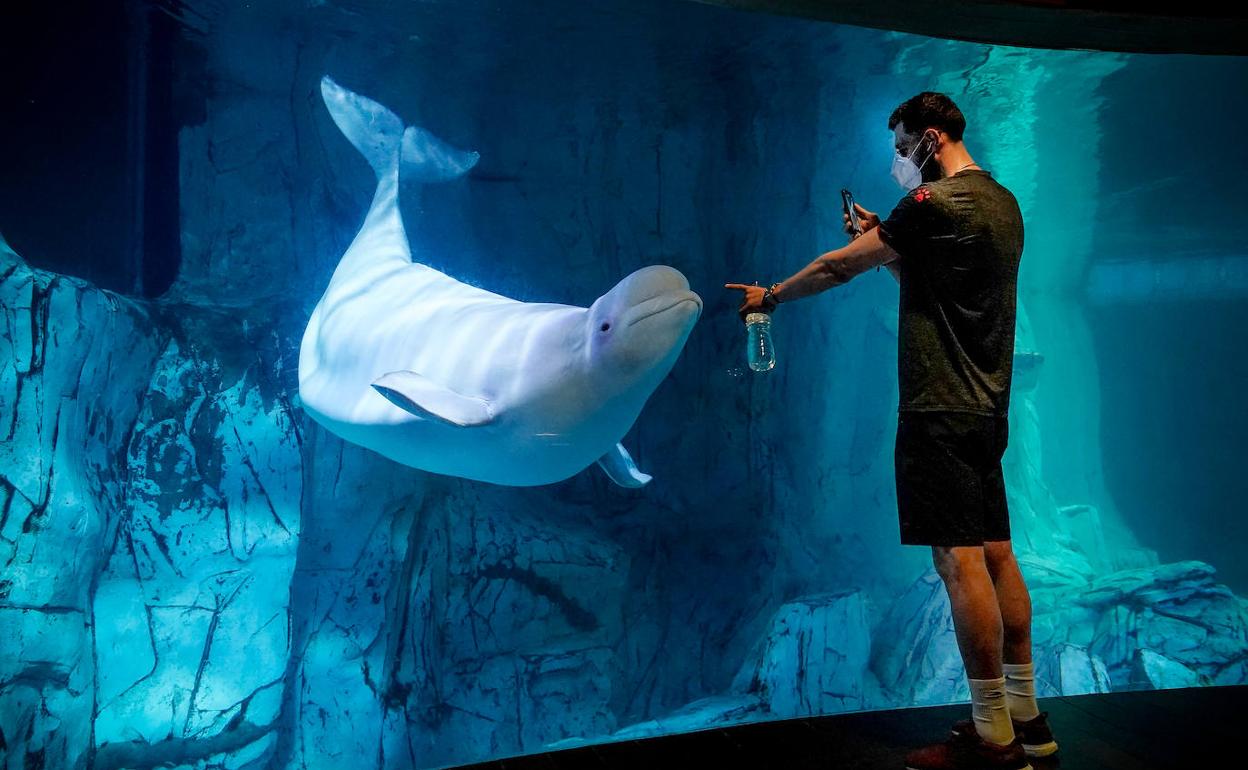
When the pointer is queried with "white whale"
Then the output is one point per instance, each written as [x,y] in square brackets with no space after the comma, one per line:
[453,379]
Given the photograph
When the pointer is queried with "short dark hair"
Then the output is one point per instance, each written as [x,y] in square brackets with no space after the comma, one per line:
[929,110]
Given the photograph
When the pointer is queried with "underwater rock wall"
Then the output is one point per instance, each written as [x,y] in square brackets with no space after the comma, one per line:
[74,366]
[151,516]
[192,626]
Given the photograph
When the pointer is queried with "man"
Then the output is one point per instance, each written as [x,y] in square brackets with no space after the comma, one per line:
[953,243]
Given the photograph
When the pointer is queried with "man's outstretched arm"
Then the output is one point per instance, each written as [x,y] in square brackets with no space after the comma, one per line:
[839,267]
[831,269]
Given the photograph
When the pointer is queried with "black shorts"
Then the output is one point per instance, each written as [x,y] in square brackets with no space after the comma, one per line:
[950,490]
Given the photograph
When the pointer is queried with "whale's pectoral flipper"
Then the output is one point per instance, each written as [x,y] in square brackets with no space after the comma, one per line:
[621,469]
[425,398]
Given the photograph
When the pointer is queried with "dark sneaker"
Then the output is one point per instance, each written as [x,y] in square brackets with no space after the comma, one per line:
[1034,734]
[967,751]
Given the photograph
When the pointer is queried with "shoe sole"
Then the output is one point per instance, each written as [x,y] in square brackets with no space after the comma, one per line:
[1040,750]
[1024,767]
[1034,749]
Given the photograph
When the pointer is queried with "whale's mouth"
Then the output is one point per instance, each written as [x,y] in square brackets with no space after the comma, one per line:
[661,304]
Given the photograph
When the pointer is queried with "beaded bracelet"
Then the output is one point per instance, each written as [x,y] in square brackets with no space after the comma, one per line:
[769,296]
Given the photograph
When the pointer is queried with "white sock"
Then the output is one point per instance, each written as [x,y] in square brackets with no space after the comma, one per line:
[988,709]
[1020,690]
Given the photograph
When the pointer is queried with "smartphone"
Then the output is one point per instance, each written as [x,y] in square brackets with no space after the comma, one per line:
[847,199]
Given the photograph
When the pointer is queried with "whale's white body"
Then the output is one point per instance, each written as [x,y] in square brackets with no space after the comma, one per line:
[453,379]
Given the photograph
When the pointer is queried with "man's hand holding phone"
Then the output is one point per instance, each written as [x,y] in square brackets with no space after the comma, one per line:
[859,221]
[866,221]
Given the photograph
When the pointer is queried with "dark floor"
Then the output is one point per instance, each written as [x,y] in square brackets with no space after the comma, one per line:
[1182,729]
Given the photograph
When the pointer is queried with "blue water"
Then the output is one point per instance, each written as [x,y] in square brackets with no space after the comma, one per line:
[196,573]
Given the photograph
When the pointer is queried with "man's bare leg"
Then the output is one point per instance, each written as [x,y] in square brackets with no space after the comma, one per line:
[1015,604]
[1012,598]
[976,610]
[977,623]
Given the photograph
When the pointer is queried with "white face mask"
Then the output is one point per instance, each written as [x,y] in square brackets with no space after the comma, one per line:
[906,172]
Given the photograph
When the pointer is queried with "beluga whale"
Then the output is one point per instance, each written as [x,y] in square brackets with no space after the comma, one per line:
[456,380]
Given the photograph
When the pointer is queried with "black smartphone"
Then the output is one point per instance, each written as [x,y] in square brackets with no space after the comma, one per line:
[847,199]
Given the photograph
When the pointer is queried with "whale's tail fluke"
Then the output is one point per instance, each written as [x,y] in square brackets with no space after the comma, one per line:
[380,136]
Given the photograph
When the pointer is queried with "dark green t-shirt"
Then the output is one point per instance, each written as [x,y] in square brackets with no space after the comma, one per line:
[960,239]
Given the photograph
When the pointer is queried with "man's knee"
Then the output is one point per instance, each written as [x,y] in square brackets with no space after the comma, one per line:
[998,554]
[954,561]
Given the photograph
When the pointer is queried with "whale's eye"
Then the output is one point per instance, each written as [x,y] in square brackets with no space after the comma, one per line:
[606,325]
